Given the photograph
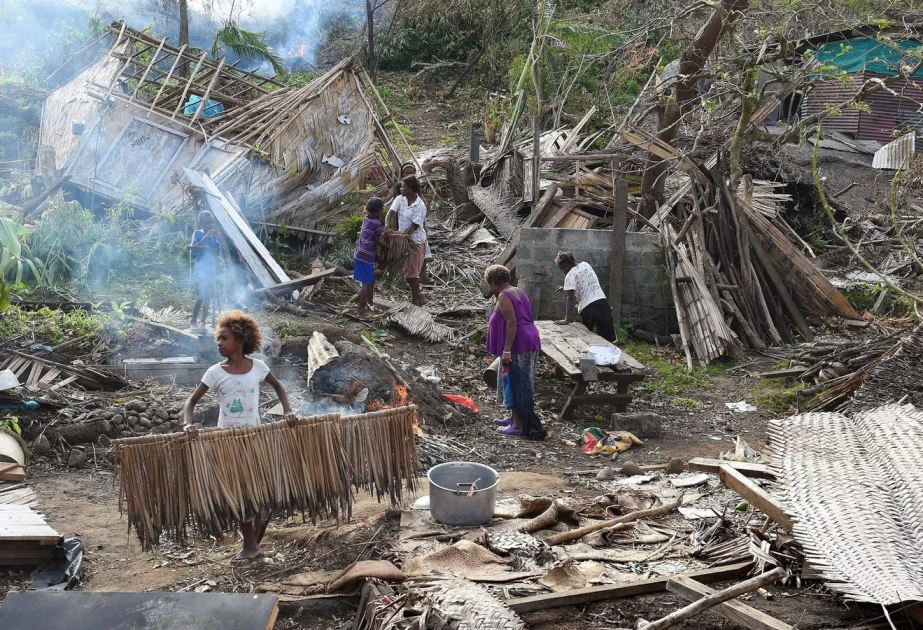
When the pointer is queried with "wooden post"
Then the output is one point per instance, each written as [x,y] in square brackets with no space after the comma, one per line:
[617,253]
[474,145]
[536,154]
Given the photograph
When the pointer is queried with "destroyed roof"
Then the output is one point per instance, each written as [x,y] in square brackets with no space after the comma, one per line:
[288,155]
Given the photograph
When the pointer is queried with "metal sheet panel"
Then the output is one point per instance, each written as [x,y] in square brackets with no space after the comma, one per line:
[831,92]
[892,156]
[892,110]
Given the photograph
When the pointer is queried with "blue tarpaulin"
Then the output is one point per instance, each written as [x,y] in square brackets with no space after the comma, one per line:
[212,108]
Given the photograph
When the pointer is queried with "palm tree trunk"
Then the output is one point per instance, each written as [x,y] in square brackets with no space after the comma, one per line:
[370,18]
[183,33]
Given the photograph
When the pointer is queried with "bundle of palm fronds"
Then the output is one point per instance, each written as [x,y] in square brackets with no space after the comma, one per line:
[393,250]
[212,482]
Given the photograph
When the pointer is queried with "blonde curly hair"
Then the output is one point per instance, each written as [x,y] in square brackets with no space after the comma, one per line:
[245,329]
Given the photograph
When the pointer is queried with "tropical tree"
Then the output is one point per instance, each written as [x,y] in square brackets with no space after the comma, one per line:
[246,45]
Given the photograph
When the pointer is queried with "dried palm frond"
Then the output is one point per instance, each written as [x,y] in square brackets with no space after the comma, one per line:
[214,481]
[420,323]
[393,250]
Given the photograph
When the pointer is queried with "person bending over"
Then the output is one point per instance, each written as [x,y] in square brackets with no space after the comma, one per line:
[581,287]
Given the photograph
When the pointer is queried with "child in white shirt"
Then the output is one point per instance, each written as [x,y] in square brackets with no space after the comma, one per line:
[237,382]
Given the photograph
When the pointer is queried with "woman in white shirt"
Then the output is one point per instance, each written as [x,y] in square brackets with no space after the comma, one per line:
[411,216]
[581,286]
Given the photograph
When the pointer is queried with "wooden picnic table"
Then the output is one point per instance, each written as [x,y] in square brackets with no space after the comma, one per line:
[567,346]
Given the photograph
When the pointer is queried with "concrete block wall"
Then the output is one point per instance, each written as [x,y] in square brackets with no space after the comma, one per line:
[646,298]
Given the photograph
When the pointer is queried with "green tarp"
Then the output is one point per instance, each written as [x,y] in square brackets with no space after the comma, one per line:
[855,55]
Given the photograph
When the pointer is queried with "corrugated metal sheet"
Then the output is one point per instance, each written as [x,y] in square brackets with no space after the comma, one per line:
[892,156]
[891,112]
[828,92]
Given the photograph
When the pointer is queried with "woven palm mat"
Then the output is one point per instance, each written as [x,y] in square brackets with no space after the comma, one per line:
[420,323]
[897,376]
[465,605]
[853,487]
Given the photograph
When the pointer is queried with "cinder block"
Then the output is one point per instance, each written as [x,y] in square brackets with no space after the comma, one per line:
[643,425]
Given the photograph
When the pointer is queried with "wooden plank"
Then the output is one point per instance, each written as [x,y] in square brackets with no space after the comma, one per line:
[754,495]
[617,254]
[234,214]
[615,591]
[241,221]
[748,469]
[134,611]
[781,290]
[11,472]
[736,611]
[34,373]
[791,373]
[297,283]
[41,533]
[240,243]
[539,213]
[67,381]
[164,327]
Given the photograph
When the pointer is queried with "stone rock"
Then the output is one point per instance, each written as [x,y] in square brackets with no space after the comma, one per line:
[605,474]
[675,467]
[77,458]
[136,405]
[162,413]
[144,422]
[174,411]
[104,441]
[105,426]
[643,425]
[144,416]
[133,420]
[157,420]
[41,445]
[107,415]
[631,469]
[118,419]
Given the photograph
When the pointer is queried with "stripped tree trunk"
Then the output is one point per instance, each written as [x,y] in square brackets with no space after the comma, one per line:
[671,114]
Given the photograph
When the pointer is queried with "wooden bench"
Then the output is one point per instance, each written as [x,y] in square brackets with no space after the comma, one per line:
[567,347]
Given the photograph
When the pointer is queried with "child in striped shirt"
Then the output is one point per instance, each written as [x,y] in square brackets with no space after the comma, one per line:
[364,258]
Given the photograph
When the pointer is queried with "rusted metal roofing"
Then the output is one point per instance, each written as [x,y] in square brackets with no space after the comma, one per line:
[892,155]
[828,92]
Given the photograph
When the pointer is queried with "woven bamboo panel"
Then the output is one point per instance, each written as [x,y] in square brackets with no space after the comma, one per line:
[464,605]
[855,490]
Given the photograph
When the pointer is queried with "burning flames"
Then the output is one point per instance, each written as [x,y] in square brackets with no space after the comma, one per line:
[399,399]
[299,52]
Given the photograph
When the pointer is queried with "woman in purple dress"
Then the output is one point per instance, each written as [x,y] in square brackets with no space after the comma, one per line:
[512,336]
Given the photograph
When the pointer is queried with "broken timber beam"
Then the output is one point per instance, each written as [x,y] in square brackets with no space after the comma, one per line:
[755,496]
[738,612]
[538,214]
[712,600]
[575,534]
[164,327]
[708,465]
[298,283]
[614,591]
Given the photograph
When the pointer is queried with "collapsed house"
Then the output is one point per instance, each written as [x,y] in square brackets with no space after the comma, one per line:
[129,124]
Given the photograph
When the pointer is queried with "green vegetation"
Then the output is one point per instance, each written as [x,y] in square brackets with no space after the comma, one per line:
[15,259]
[668,370]
[50,326]
[771,395]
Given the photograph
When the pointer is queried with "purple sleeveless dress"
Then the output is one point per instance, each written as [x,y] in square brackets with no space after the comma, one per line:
[527,343]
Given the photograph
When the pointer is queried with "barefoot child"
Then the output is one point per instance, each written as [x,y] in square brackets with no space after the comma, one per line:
[365,257]
[237,382]
[206,247]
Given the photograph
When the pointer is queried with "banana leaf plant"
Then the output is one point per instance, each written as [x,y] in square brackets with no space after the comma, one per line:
[14,259]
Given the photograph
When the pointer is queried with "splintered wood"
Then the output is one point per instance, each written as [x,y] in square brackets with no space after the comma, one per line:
[737,281]
[212,482]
